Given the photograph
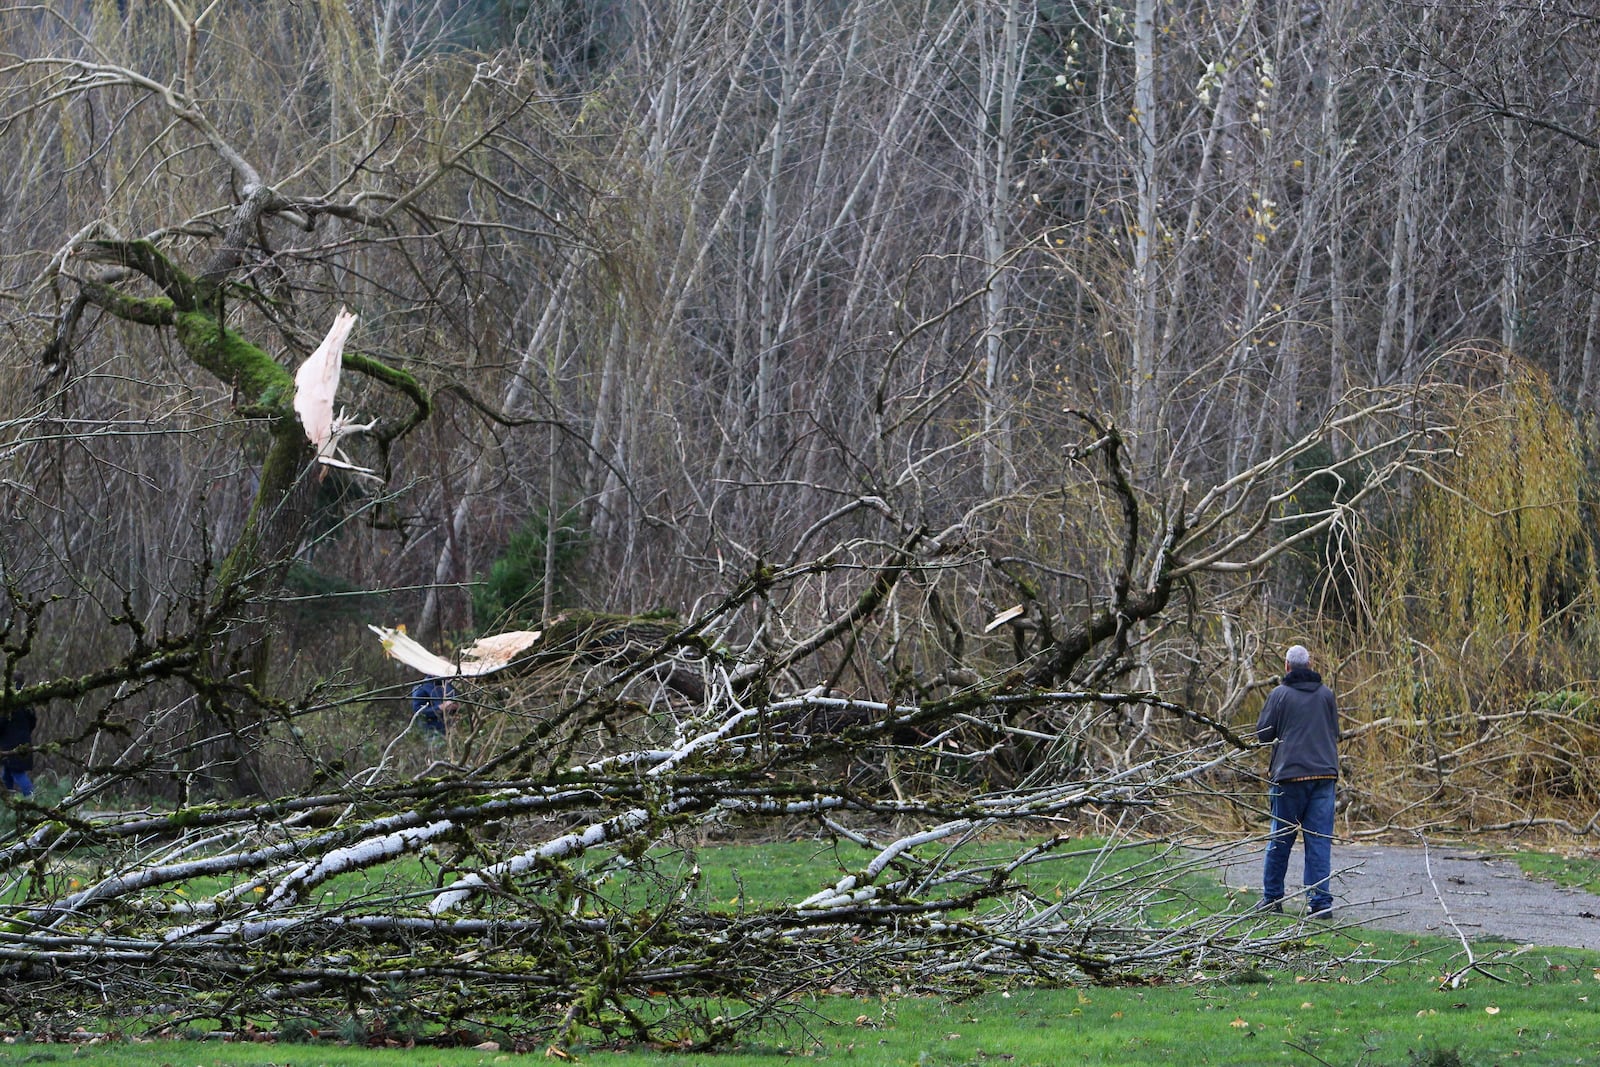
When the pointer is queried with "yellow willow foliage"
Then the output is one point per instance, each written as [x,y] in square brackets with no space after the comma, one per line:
[1466,589]
[1490,540]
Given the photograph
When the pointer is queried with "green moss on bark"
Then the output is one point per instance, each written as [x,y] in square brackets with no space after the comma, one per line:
[275,514]
[143,256]
[154,311]
[261,380]
[393,377]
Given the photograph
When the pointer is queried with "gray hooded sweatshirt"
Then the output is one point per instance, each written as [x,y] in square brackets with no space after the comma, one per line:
[1303,718]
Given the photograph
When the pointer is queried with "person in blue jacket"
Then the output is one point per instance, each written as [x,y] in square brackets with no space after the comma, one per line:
[1301,721]
[16,745]
[431,702]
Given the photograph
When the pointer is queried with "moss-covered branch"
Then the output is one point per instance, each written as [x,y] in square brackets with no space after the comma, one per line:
[260,379]
[143,256]
[154,311]
[400,381]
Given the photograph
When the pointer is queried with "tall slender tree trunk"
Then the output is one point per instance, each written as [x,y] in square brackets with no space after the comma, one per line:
[1513,237]
[1402,237]
[1591,337]
[1002,67]
[1317,219]
[1144,386]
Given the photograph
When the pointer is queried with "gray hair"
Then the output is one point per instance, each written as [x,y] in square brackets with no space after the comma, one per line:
[1297,656]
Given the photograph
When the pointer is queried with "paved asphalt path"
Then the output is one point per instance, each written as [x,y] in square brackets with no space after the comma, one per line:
[1448,890]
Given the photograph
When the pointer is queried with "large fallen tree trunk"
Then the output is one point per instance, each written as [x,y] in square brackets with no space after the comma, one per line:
[441,896]
[546,885]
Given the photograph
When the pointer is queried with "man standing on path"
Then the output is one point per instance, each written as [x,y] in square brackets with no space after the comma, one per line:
[1301,721]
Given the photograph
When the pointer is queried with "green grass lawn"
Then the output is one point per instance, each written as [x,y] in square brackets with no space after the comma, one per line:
[1383,1005]
[1548,1013]
[1582,872]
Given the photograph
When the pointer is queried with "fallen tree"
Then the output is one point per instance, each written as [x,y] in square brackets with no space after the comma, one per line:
[540,879]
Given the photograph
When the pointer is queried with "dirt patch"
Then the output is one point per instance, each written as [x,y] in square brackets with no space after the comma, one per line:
[1449,891]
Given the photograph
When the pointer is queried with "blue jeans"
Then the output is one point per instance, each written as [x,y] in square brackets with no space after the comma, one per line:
[1304,808]
[16,781]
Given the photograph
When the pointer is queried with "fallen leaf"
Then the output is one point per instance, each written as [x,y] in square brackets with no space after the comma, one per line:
[1238,1023]
[1491,1010]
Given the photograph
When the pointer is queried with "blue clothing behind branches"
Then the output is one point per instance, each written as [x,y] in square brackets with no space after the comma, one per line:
[428,705]
[16,732]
